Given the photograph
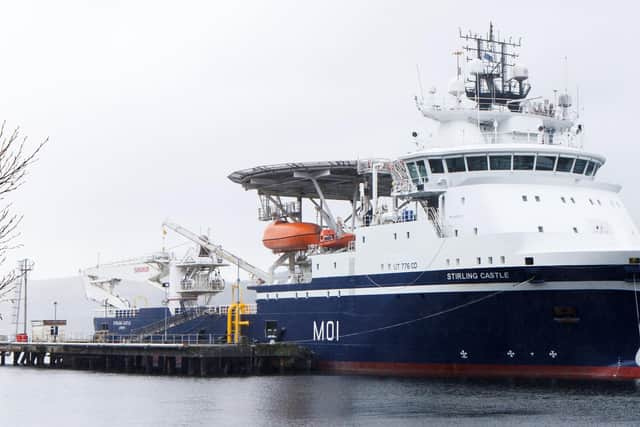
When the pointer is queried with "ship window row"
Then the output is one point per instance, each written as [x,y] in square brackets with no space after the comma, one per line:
[479,261]
[501,162]
[564,200]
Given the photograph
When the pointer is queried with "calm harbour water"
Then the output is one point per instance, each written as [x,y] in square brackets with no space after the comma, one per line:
[33,397]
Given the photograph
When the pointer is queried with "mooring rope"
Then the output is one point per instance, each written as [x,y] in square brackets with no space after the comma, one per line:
[430,316]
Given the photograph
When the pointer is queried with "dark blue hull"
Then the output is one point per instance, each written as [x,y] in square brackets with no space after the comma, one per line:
[587,331]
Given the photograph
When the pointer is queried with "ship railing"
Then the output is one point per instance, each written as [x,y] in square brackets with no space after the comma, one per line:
[116,312]
[251,309]
[212,285]
[566,138]
[526,106]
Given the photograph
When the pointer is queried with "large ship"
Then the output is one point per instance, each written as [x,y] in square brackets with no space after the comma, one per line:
[491,250]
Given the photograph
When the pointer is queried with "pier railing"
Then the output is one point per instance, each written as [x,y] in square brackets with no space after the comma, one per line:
[105,338]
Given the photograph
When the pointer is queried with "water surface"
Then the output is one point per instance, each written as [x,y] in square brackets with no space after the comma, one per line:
[36,397]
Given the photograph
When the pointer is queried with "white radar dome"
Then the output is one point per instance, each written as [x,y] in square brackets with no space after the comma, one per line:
[564,100]
[475,66]
[520,72]
[456,87]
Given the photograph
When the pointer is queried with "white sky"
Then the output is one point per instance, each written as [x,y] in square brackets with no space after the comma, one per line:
[150,105]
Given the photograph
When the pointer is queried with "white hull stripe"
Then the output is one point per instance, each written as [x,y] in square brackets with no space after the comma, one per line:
[435,289]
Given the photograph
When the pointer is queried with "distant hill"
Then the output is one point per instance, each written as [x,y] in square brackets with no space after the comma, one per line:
[73,305]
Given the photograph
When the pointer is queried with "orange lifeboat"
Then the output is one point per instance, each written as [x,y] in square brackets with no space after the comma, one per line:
[282,236]
[328,239]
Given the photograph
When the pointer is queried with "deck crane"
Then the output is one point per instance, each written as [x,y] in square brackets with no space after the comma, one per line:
[258,273]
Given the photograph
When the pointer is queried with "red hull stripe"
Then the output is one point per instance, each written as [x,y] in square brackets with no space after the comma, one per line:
[461,370]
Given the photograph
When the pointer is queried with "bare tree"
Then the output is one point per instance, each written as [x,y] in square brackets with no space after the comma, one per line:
[15,160]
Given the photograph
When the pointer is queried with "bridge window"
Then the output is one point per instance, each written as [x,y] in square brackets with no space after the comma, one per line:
[413,172]
[537,198]
[579,166]
[477,163]
[500,163]
[545,163]
[589,171]
[563,199]
[422,169]
[502,259]
[490,260]
[564,164]
[595,169]
[455,164]
[540,229]
[436,166]
[523,162]
[524,198]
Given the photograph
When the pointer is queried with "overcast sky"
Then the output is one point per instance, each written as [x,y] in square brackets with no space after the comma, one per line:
[150,105]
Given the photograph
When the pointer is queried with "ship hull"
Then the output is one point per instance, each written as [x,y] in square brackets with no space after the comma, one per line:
[559,329]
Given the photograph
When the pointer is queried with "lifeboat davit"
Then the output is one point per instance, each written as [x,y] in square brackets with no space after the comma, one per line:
[329,239]
[282,236]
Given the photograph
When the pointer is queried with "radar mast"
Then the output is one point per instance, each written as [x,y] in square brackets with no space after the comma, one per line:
[494,78]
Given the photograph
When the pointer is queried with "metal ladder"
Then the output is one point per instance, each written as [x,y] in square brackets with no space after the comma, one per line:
[433,214]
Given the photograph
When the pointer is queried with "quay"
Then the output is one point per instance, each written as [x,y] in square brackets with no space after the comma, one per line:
[188,359]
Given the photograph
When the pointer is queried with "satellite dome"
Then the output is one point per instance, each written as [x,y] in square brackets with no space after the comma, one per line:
[520,72]
[456,87]
[564,100]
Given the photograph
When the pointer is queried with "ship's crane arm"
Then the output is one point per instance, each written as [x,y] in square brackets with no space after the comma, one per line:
[222,253]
